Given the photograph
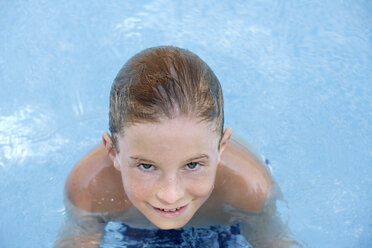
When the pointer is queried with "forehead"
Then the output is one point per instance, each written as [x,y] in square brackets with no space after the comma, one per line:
[171,137]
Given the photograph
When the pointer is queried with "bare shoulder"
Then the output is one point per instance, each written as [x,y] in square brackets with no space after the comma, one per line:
[242,179]
[94,185]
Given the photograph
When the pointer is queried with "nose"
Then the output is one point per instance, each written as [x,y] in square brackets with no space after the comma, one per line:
[171,191]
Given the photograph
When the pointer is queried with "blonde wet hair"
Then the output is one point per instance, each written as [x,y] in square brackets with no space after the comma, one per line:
[164,82]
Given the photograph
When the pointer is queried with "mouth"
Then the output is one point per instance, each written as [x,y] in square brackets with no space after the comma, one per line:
[170,212]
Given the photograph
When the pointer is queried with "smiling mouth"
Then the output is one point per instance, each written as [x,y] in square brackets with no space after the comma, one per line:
[171,212]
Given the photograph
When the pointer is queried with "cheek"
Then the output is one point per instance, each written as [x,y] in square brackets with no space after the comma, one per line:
[201,185]
[137,187]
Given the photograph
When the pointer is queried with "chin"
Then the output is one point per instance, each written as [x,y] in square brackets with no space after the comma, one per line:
[167,226]
[169,223]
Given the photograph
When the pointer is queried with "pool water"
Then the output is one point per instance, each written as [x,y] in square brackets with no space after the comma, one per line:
[297,82]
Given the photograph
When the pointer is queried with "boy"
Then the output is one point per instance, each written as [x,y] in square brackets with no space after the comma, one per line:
[168,161]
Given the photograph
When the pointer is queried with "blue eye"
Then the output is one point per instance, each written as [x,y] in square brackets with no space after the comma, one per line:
[193,165]
[146,167]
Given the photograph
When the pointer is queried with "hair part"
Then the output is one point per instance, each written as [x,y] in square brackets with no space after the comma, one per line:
[164,82]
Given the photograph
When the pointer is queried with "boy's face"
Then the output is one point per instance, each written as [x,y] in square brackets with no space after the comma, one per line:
[169,168]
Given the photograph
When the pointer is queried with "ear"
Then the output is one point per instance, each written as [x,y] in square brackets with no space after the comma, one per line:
[225,138]
[109,146]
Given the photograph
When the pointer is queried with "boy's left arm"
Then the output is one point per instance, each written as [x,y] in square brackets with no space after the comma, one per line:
[265,229]
[246,184]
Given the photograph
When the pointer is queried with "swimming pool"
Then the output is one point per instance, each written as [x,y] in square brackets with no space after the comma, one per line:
[297,84]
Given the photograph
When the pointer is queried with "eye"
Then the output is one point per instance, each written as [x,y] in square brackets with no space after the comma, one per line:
[193,165]
[146,167]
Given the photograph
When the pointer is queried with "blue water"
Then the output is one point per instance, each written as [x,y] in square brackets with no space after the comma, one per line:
[297,81]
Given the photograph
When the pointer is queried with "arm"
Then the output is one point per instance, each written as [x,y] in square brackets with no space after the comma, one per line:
[265,229]
[80,228]
[248,187]
[93,196]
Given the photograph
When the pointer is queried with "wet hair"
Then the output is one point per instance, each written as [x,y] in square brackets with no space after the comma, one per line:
[164,82]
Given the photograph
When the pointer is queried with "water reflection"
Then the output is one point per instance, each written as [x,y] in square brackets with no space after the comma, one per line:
[27,133]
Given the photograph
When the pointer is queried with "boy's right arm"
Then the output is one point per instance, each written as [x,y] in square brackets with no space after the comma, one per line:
[93,193]
[80,228]
[95,185]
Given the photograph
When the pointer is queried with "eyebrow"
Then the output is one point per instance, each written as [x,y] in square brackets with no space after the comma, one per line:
[197,156]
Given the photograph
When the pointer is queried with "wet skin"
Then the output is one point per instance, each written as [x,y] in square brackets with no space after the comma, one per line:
[100,182]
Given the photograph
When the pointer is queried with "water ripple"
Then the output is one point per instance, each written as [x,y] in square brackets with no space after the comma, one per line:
[27,133]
